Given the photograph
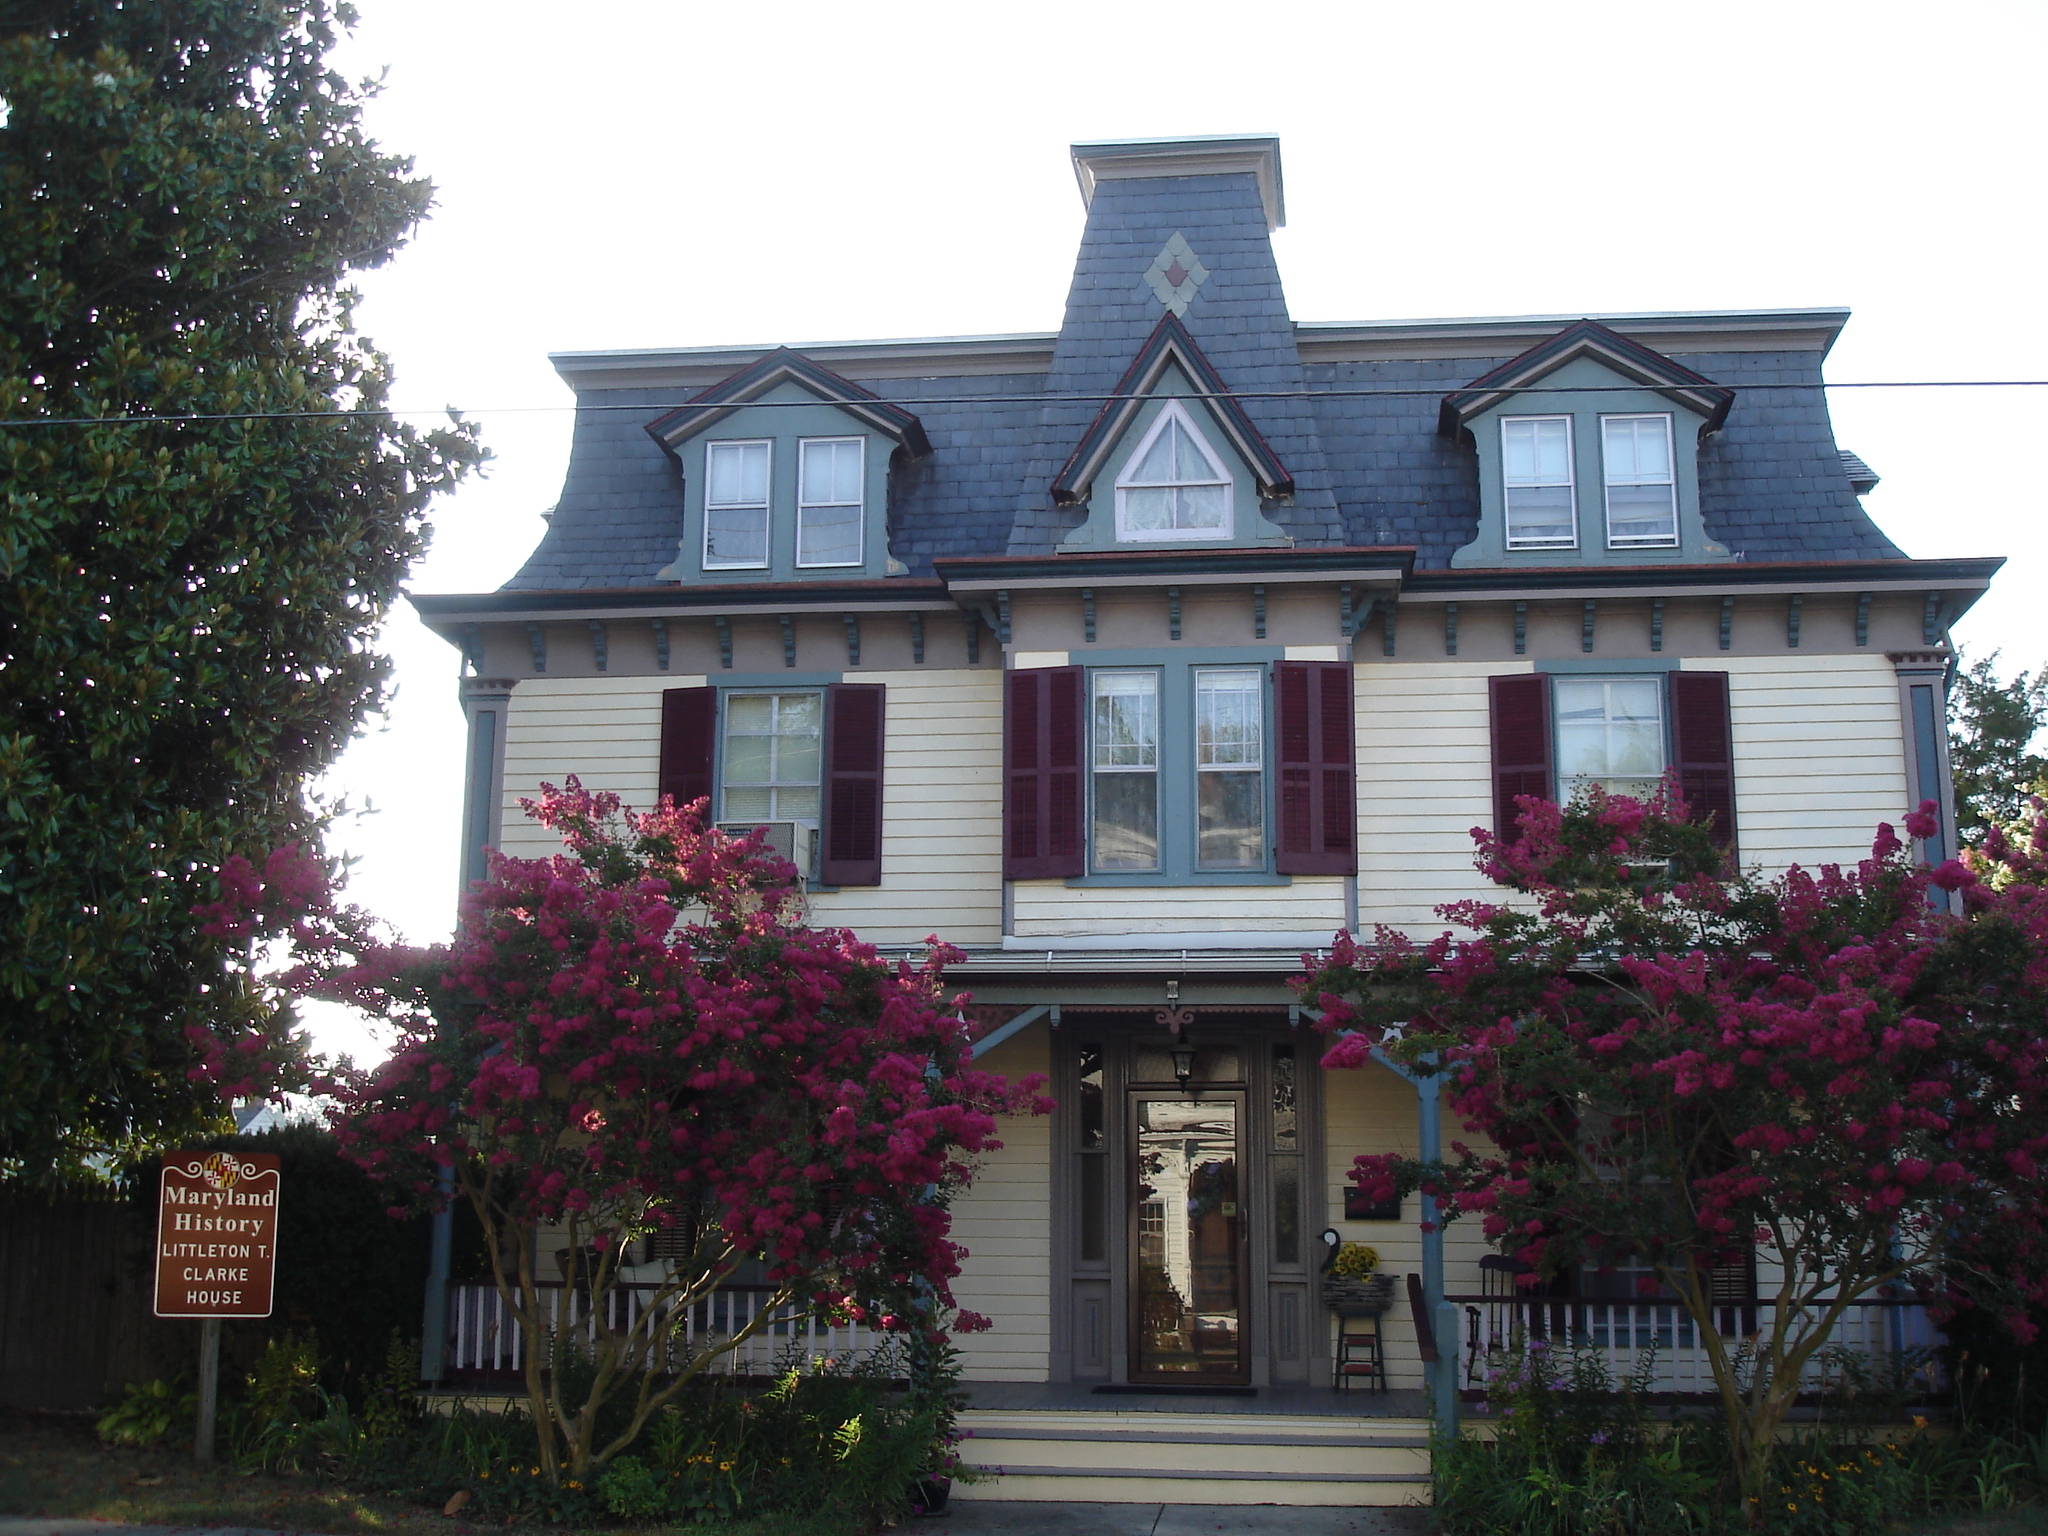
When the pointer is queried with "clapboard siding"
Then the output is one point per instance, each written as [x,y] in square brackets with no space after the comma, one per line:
[942,811]
[1424,781]
[941,787]
[1819,755]
[1004,1221]
[1044,909]
[605,730]
[1370,1109]
[1819,761]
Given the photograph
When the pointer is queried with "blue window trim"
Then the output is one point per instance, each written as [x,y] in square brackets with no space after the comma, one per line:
[1176,668]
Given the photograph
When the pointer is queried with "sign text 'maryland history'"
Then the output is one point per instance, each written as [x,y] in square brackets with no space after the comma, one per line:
[216,1234]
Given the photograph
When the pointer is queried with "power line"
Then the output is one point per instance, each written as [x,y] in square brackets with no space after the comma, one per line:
[912,403]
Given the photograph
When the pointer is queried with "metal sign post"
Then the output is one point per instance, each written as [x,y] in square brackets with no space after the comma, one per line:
[216,1253]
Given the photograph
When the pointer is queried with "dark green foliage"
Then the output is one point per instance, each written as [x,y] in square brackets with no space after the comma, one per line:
[1992,726]
[833,1448]
[1573,1453]
[349,1276]
[186,606]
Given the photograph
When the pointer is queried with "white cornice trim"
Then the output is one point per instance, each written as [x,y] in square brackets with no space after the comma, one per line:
[1231,154]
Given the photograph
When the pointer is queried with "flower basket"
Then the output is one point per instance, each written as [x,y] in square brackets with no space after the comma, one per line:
[1358,1298]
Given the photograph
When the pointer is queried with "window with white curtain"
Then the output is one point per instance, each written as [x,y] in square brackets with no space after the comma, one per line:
[1230,762]
[773,757]
[1126,771]
[1610,732]
[830,472]
[735,505]
[1642,491]
[1538,486]
[1174,486]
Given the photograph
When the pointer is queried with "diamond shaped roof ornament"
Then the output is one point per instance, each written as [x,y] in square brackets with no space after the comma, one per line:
[1176,272]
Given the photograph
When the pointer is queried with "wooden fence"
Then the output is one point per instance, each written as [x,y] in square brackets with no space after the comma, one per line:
[75,1283]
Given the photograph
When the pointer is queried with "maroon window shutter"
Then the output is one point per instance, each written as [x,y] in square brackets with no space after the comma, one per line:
[689,736]
[854,714]
[1520,710]
[1043,731]
[1318,808]
[1703,749]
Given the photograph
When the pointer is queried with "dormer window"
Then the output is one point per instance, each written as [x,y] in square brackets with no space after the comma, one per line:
[735,505]
[1540,494]
[1174,486]
[1642,491]
[830,473]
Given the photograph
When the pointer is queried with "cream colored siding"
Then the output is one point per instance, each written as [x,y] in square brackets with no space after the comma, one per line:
[1372,1110]
[941,789]
[942,814]
[1047,909]
[1819,755]
[1004,1221]
[605,730]
[1425,779]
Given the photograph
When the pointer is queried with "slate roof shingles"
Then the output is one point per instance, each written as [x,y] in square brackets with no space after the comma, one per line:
[1367,469]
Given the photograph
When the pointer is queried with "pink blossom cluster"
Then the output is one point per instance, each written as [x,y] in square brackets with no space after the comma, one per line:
[1674,1063]
[642,1034]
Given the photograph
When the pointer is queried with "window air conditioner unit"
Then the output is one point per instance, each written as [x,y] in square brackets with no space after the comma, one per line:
[792,839]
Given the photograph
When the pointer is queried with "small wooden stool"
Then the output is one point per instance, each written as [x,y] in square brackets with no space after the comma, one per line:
[1359,1355]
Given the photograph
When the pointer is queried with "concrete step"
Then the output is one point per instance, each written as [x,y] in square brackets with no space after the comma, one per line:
[1197,1458]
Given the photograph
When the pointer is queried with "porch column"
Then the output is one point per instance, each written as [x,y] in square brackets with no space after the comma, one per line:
[484,704]
[1440,1376]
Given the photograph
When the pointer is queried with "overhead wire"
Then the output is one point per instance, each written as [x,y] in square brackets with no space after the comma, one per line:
[911,403]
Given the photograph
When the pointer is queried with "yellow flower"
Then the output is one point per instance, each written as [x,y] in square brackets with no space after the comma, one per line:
[1919,1421]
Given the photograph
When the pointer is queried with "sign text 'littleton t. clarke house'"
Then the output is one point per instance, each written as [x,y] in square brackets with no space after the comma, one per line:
[216,1234]
[1135,658]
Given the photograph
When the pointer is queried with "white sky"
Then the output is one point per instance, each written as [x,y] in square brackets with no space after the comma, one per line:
[621,174]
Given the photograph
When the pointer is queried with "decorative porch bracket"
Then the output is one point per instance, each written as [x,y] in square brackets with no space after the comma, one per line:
[1442,1373]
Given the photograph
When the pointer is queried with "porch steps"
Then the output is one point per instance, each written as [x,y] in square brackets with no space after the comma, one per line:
[1147,1457]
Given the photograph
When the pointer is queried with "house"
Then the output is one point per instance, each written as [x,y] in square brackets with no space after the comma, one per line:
[1136,658]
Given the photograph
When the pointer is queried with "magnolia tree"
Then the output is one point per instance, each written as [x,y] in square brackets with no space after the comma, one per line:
[1677,1067]
[642,1037]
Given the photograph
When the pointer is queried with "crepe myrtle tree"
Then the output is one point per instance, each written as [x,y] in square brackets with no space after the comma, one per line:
[1677,1065]
[642,1037]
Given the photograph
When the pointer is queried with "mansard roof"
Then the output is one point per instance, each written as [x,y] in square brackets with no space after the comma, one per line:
[1588,338]
[1343,423]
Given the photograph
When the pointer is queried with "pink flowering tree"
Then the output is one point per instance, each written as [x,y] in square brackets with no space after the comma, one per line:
[641,1037]
[1677,1066]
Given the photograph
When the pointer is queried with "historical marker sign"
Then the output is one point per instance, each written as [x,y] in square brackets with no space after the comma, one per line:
[216,1234]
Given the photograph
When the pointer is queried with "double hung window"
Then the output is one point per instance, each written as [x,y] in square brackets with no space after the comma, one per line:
[735,505]
[1642,492]
[1227,765]
[1126,758]
[1174,486]
[1610,732]
[773,759]
[829,494]
[1537,482]
[1230,760]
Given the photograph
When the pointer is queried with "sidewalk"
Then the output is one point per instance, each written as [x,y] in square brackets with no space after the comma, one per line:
[973,1519]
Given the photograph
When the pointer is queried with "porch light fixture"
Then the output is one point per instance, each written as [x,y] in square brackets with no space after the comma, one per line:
[1183,1062]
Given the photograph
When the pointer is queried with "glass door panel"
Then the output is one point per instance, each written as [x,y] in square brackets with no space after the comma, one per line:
[1187,1280]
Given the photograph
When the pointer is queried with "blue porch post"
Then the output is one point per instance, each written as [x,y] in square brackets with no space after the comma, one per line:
[1440,1377]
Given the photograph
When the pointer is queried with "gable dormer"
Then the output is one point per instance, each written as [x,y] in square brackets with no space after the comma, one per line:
[1588,454]
[1172,460]
[785,470]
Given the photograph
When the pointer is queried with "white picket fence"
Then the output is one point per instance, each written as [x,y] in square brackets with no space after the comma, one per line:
[1892,1339]
[485,1336]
